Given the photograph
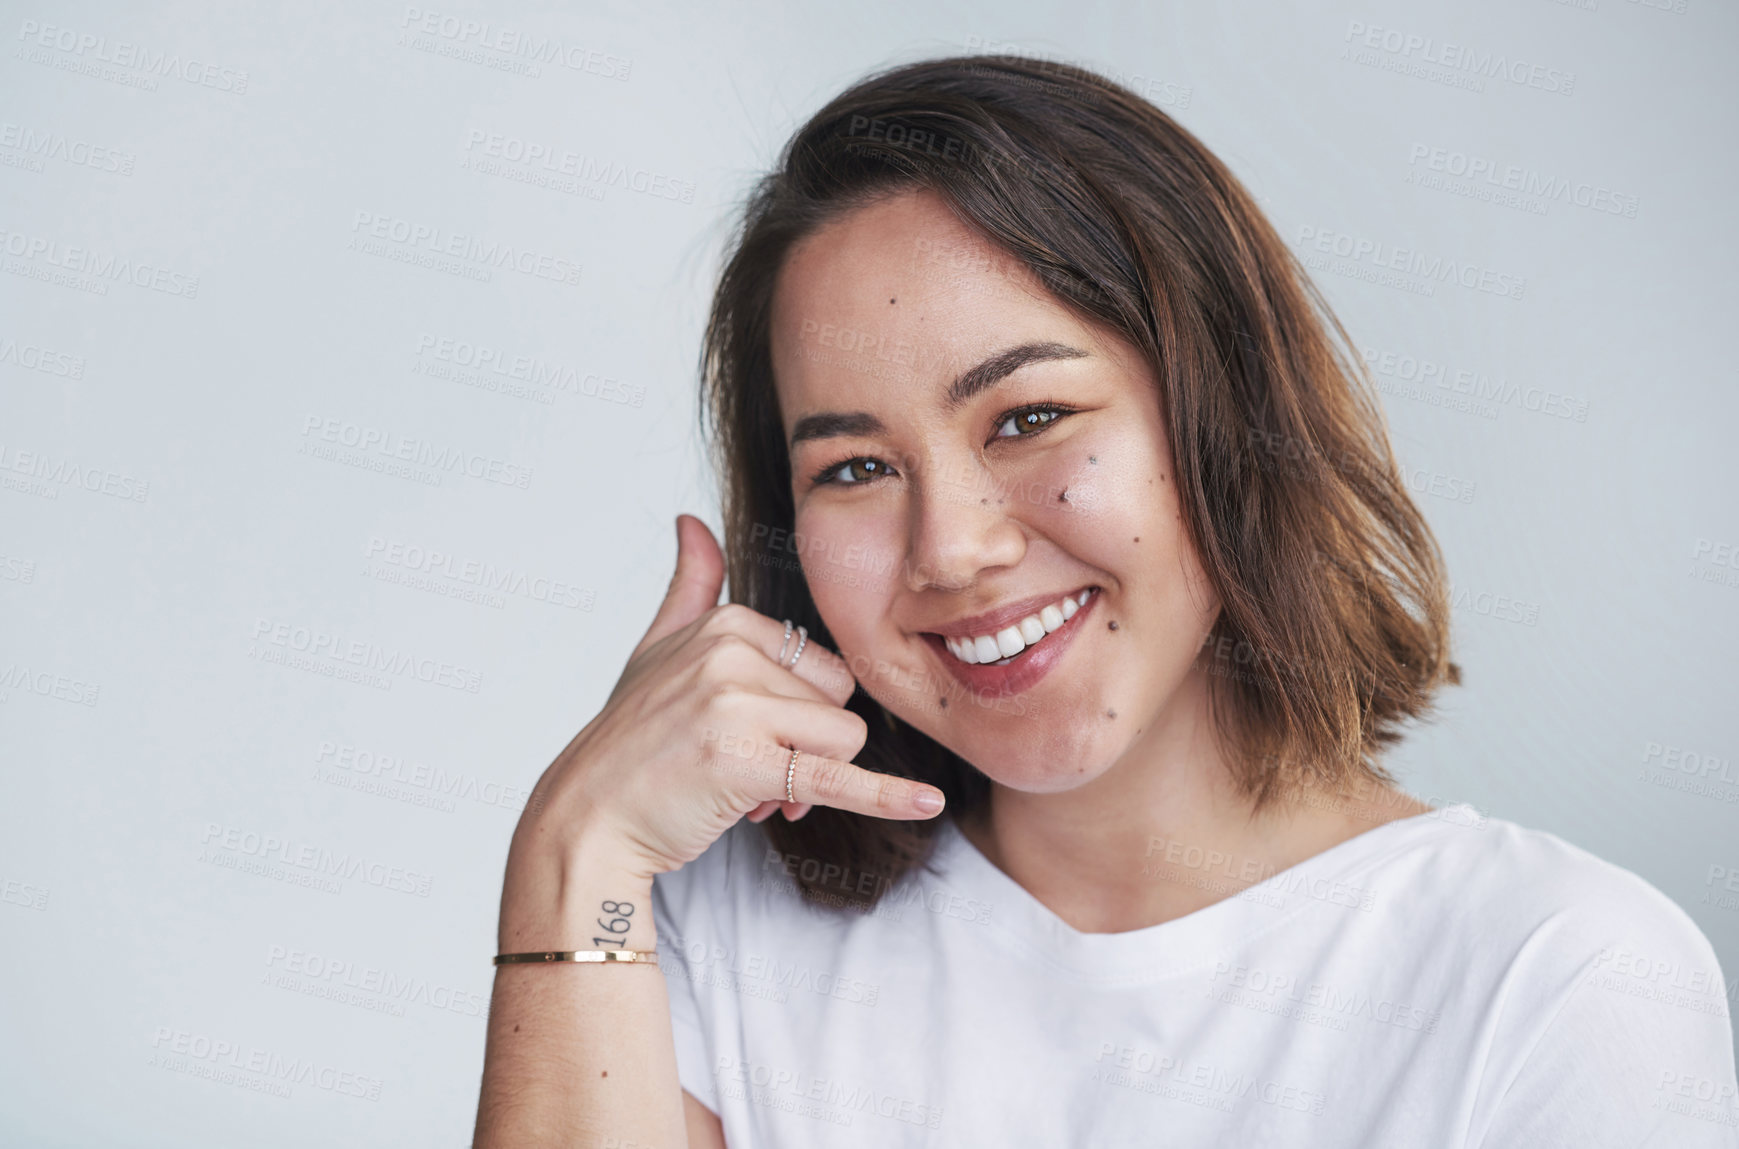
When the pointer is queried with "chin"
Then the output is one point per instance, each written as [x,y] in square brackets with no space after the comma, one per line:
[1014,744]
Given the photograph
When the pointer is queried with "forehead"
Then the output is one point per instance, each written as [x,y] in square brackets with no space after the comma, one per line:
[892,300]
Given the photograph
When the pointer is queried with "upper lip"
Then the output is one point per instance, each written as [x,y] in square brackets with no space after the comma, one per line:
[992,621]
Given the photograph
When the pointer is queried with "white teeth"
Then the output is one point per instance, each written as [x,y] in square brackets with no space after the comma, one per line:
[999,648]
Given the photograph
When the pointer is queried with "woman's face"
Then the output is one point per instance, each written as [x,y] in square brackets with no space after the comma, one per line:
[966,454]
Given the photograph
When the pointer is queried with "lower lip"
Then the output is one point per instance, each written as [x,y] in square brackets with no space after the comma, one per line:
[1028,666]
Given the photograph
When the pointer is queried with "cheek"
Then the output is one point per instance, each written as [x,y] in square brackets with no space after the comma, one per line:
[1109,498]
[851,559]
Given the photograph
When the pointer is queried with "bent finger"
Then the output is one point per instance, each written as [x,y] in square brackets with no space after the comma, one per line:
[798,654]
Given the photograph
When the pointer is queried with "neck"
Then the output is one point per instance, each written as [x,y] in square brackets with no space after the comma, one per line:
[1164,831]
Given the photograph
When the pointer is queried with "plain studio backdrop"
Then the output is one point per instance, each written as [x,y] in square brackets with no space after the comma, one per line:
[372,326]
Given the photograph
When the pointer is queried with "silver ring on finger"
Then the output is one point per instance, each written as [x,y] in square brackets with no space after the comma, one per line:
[791,773]
[802,640]
[786,645]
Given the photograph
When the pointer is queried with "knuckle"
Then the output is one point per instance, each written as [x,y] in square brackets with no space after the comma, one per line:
[856,733]
[725,654]
[728,642]
[727,617]
[724,696]
[825,778]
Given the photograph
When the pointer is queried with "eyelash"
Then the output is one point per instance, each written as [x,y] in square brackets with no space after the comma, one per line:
[1061,411]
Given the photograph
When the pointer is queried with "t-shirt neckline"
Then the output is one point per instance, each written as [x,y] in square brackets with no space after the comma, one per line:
[1326,881]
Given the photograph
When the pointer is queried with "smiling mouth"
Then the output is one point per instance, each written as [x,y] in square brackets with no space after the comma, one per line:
[1004,646]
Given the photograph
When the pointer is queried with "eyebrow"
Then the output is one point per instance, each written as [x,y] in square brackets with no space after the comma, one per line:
[975,381]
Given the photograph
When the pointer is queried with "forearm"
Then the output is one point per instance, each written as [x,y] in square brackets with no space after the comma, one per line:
[578,1054]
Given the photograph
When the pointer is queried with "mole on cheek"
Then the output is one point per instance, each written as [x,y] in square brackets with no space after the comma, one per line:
[1112,624]
[1110,714]
[943,701]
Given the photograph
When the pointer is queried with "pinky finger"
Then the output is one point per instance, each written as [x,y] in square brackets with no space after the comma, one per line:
[796,810]
[765,810]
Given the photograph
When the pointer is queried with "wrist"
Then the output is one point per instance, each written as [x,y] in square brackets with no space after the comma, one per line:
[592,897]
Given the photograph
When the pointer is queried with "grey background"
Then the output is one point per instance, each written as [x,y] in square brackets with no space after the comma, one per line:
[141,723]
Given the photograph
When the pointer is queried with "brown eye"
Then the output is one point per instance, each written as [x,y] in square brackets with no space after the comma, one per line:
[857,471]
[1026,422]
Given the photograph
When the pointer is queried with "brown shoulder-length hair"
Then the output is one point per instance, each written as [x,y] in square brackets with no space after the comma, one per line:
[1334,628]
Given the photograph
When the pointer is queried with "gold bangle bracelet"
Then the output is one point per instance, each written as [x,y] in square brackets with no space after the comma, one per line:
[580,955]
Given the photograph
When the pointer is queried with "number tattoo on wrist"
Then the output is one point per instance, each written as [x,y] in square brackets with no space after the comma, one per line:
[621,911]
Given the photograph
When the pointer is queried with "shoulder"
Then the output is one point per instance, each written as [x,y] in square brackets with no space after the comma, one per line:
[1550,939]
[1597,996]
[1523,883]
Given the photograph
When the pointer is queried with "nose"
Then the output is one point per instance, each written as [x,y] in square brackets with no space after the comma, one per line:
[960,528]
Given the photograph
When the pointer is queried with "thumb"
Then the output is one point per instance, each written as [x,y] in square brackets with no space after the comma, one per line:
[694,588]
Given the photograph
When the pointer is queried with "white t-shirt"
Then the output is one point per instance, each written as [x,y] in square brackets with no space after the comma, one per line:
[1441,980]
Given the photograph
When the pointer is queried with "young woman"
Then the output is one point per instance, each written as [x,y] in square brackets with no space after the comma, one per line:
[1054,495]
